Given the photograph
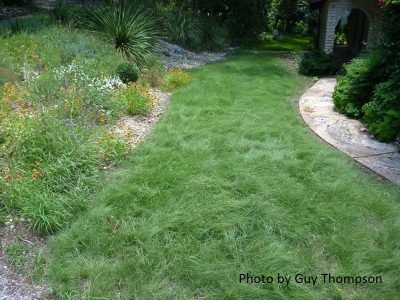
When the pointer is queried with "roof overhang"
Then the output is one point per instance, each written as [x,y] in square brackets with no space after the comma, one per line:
[316,4]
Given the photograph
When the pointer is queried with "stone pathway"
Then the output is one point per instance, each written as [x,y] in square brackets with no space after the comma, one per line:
[348,135]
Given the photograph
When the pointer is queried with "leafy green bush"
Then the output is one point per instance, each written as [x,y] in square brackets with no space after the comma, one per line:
[382,114]
[316,63]
[356,87]
[266,36]
[133,30]
[128,72]
[175,78]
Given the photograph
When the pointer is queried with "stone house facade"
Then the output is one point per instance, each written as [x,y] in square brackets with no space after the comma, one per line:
[359,16]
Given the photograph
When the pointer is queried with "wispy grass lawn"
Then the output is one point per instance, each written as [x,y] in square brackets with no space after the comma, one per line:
[288,43]
[231,181]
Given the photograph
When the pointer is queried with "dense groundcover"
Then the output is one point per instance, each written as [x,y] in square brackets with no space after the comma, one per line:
[231,181]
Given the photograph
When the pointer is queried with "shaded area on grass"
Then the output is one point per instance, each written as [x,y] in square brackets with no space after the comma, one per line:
[231,181]
[288,43]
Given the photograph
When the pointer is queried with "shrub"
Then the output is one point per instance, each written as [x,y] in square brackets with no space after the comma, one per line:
[316,63]
[382,114]
[370,89]
[356,87]
[301,27]
[266,36]
[128,72]
[175,78]
[133,31]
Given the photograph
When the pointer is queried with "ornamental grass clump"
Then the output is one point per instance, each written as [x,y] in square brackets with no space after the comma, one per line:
[132,29]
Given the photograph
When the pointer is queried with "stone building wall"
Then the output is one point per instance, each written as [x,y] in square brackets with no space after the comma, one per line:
[334,10]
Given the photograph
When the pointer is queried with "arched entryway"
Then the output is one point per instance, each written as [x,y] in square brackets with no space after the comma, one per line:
[351,35]
[358,18]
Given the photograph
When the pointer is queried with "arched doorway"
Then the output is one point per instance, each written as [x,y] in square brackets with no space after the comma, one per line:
[351,35]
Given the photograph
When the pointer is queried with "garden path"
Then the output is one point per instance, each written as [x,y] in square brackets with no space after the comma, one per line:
[348,135]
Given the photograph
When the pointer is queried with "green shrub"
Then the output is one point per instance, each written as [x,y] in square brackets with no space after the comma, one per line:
[133,30]
[382,114]
[301,27]
[128,72]
[356,87]
[266,36]
[316,63]
[175,78]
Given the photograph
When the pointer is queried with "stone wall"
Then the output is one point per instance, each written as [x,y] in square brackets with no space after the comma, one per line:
[334,10]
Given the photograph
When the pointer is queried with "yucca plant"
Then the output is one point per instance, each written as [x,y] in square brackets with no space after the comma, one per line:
[129,26]
[184,30]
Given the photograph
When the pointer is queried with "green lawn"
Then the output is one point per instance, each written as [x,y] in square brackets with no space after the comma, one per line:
[231,181]
[289,43]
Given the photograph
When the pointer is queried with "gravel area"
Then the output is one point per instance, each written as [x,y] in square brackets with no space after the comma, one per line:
[14,284]
[174,56]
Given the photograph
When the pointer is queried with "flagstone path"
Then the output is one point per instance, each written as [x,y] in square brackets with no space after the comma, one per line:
[348,135]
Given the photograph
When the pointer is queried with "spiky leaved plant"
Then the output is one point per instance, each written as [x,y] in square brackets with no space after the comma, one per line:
[129,26]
